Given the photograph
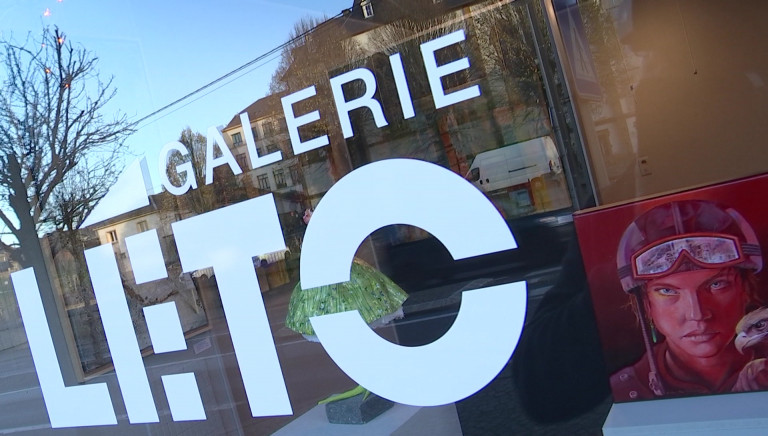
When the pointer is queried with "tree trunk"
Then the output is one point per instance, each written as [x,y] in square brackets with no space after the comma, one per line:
[33,256]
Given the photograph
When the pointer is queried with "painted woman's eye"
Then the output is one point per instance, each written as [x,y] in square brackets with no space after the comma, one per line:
[719,284]
[665,291]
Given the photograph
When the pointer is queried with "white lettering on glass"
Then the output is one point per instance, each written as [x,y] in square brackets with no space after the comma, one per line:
[453,367]
[121,338]
[183,397]
[256,160]
[215,138]
[465,359]
[227,239]
[164,327]
[166,334]
[401,84]
[295,122]
[146,256]
[68,406]
[343,106]
[435,72]
[490,320]
[184,170]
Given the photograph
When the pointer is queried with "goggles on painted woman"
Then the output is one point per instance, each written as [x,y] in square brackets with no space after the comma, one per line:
[705,250]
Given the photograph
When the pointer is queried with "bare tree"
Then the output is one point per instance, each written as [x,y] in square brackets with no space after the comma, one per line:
[57,147]
[203,198]
[71,202]
[316,50]
[58,152]
[77,195]
[299,36]
[226,189]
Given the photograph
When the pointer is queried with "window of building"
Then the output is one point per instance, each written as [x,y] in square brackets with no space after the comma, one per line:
[112,236]
[295,174]
[271,148]
[141,226]
[255,132]
[263,180]
[279,178]
[269,128]
[367,8]
[237,138]
[242,161]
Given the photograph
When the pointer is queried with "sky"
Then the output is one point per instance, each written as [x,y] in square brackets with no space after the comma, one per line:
[159,51]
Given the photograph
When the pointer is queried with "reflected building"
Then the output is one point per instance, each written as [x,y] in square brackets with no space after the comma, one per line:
[511,108]
[77,293]
[284,178]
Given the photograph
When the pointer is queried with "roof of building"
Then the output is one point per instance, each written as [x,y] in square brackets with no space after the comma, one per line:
[388,11]
[349,23]
[261,108]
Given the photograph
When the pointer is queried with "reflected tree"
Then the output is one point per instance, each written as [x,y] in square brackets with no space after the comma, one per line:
[314,49]
[203,198]
[58,150]
[224,190]
[294,53]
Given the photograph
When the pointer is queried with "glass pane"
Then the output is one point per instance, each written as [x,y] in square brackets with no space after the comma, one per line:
[166,224]
[659,90]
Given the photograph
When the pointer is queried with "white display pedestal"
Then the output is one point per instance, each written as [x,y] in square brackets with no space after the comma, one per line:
[729,414]
[400,420]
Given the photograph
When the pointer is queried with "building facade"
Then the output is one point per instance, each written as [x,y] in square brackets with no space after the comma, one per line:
[414,165]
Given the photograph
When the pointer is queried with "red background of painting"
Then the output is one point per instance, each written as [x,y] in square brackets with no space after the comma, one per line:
[599,231]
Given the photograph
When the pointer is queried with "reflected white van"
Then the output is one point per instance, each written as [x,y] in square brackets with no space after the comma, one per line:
[514,164]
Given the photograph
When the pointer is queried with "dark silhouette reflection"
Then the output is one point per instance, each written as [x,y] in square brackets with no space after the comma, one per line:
[558,365]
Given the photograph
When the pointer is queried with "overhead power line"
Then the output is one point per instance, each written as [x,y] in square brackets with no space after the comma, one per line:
[242,67]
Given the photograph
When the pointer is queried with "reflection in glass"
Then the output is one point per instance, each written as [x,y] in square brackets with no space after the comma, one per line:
[503,141]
